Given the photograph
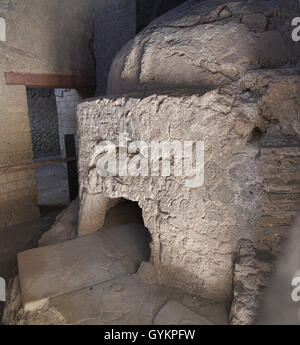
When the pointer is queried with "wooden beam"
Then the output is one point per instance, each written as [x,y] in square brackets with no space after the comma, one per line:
[33,165]
[61,81]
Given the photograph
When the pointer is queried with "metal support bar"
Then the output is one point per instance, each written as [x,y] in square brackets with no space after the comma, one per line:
[70,150]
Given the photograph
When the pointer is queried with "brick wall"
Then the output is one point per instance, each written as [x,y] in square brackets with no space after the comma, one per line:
[57,43]
[18,197]
[43,122]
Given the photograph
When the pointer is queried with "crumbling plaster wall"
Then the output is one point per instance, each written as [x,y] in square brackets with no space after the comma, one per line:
[239,73]
[45,37]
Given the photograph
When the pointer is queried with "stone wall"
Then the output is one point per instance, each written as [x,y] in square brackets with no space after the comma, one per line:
[41,37]
[43,122]
[115,25]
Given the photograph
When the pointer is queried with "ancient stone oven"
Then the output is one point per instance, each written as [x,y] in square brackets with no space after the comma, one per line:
[224,74]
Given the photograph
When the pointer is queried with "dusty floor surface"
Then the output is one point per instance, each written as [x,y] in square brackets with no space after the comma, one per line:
[53,194]
[18,238]
[52,184]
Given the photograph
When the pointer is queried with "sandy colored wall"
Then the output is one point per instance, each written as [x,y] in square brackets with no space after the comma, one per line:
[17,189]
[45,37]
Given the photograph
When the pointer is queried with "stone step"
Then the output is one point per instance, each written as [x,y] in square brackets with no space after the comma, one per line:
[124,301]
[174,313]
[72,265]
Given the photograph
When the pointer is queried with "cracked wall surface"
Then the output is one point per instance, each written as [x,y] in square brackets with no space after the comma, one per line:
[196,232]
[224,73]
[191,46]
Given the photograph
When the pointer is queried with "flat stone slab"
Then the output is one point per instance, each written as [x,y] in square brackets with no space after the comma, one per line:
[58,269]
[174,313]
[72,265]
[128,300]
[124,301]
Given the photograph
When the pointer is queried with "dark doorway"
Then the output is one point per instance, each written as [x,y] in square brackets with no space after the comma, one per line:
[128,213]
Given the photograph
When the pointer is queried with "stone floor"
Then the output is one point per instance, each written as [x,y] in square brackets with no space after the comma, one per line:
[52,184]
[17,238]
[98,288]
[69,266]
[102,279]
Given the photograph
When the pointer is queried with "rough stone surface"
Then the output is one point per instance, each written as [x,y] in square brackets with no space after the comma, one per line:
[251,275]
[198,36]
[14,313]
[193,230]
[124,301]
[242,100]
[65,227]
[278,307]
[93,209]
[247,139]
